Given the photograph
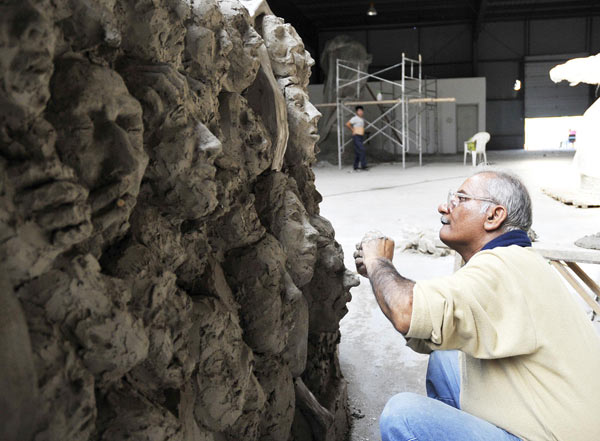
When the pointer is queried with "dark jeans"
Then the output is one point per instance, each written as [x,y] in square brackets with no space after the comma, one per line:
[412,417]
[360,153]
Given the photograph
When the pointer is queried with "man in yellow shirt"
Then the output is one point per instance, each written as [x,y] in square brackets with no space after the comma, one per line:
[513,356]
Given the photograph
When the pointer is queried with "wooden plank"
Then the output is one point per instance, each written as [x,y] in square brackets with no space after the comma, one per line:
[372,103]
[566,252]
[584,277]
[578,288]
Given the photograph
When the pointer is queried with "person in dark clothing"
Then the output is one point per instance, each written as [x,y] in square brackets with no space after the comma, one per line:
[357,125]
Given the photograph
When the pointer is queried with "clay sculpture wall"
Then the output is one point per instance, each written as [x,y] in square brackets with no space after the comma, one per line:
[165,272]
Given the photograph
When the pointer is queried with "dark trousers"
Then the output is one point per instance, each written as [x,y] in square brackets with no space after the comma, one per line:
[360,152]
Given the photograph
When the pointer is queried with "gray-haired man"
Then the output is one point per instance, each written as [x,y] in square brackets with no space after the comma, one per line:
[514,356]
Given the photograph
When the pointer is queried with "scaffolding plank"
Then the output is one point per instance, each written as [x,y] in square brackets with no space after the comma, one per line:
[370,103]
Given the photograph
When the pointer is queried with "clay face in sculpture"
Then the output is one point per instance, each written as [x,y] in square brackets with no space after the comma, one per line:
[181,170]
[303,120]
[280,209]
[205,58]
[26,62]
[286,50]
[99,126]
[298,238]
[329,291]
[243,57]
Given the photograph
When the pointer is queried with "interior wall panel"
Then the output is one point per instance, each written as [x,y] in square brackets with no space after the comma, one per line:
[446,44]
[387,46]
[544,98]
[595,35]
[502,51]
[501,40]
[558,36]
[504,122]
[454,70]
[500,76]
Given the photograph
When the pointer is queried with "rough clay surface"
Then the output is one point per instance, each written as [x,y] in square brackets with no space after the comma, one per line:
[166,274]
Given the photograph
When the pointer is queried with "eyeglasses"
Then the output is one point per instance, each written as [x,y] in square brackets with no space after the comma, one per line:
[455,198]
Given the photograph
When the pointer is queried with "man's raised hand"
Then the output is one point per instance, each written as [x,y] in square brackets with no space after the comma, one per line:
[372,246]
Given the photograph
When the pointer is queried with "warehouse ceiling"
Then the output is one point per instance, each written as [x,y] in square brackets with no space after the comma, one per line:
[323,15]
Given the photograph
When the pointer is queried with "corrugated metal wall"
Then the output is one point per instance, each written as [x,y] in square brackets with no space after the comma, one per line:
[546,98]
[502,54]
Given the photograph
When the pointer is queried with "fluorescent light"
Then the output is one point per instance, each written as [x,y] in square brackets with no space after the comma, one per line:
[371,11]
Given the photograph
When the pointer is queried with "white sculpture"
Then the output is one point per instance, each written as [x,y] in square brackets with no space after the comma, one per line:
[587,158]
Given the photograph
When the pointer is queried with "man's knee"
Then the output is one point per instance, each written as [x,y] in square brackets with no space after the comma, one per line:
[399,411]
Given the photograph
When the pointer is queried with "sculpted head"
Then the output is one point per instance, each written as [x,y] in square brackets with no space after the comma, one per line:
[26,63]
[207,45]
[286,50]
[303,120]
[243,58]
[100,131]
[486,205]
[153,31]
[329,291]
[181,148]
[280,208]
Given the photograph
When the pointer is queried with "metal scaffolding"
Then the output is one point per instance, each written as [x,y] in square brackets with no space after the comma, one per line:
[401,118]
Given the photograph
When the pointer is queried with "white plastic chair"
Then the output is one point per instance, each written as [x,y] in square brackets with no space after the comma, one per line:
[480,139]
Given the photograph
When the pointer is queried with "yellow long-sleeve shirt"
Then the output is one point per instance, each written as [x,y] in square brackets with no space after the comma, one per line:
[530,360]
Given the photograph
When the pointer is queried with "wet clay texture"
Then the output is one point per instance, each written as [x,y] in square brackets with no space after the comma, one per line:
[165,272]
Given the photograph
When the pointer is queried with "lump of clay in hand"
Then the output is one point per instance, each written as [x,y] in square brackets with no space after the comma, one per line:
[99,126]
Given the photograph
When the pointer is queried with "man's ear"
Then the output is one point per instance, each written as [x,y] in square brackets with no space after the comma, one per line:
[494,217]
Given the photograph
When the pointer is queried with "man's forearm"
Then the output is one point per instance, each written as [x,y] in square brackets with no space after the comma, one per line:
[393,292]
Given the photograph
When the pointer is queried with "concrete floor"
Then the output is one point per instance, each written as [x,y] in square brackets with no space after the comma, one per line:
[374,357]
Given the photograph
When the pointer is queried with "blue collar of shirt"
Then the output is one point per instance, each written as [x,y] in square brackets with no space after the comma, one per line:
[514,237]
